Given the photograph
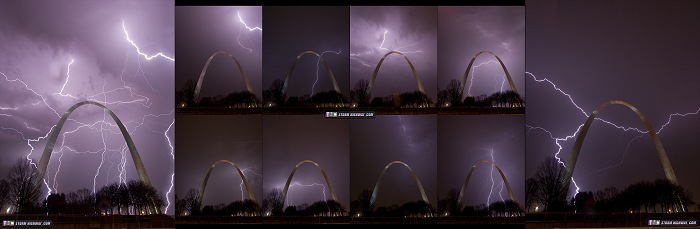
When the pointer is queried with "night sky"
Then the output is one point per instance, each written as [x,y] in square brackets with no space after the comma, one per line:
[39,40]
[641,52]
[464,31]
[374,143]
[205,30]
[463,140]
[203,140]
[291,30]
[290,139]
[410,30]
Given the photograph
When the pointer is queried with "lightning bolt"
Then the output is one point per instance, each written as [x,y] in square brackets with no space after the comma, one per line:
[559,140]
[356,56]
[242,185]
[317,67]
[138,50]
[245,29]
[103,127]
[297,184]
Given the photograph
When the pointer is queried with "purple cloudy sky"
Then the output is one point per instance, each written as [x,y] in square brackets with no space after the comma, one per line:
[641,52]
[377,30]
[40,40]
[205,30]
[464,31]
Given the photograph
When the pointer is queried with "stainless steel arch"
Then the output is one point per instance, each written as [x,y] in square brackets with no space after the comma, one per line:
[663,157]
[206,179]
[206,66]
[46,156]
[294,64]
[376,70]
[503,176]
[415,177]
[289,180]
[466,73]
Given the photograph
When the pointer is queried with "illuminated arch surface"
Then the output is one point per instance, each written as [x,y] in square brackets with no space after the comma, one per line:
[379,181]
[663,157]
[466,73]
[289,180]
[503,176]
[376,70]
[294,64]
[46,156]
[206,66]
[206,179]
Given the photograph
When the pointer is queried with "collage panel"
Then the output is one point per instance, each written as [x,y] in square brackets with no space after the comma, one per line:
[305,59]
[86,112]
[482,60]
[393,168]
[306,166]
[612,112]
[222,44]
[393,59]
[481,166]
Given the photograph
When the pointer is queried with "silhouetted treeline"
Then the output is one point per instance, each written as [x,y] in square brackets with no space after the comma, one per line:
[273,205]
[20,192]
[451,96]
[240,99]
[547,189]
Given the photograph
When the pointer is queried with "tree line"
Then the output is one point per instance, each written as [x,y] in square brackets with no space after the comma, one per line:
[547,189]
[240,99]
[272,205]
[451,96]
[19,190]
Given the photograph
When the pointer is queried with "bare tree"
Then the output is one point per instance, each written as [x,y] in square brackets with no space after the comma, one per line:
[274,203]
[24,194]
[359,93]
[531,187]
[4,192]
[550,179]
[450,203]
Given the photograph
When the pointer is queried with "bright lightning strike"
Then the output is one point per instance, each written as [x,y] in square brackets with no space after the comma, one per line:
[317,67]
[297,184]
[139,49]
[559,140]
[245,29]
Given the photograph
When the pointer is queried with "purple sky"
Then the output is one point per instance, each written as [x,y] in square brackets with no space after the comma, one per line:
[464,140]
[641,52]
[205,30]
[203,140]
[374,143]
[291,30]
[37,86]
[377,30]
[290,139]
[464,31]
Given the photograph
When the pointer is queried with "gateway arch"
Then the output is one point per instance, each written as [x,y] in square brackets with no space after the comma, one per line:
[206,66]
[663,157]
[503,176]
[53,136]
[410,64]
[379,181]
[206,179]
[289,180]
[294,64]
[466,73]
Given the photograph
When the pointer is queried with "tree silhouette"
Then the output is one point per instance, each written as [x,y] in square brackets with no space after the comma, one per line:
[359,95]
[531,187]
[550,179]
[24,194]
[273,94]
[273,203]
[450,203]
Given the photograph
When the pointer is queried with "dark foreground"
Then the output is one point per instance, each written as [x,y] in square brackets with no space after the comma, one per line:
[86,221]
